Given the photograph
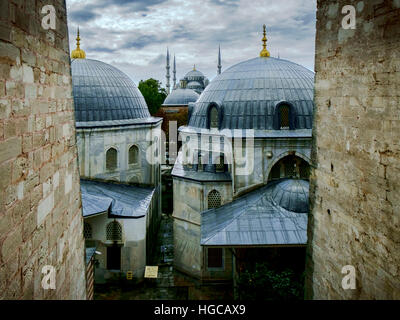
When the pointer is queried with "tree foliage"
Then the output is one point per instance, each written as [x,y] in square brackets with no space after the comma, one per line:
[153,93]
[264,283]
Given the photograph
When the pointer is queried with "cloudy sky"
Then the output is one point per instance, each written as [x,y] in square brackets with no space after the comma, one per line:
[133,35]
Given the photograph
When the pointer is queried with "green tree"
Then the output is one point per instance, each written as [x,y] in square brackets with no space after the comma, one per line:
[152,93]
[265,283]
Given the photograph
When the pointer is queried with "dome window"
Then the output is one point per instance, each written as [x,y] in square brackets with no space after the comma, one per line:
[111,159]
[214,118]
[214,199]
[284,116]
[133,155]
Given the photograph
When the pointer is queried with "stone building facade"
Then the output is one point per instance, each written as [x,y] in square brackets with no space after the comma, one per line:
[40,202]
[355,199]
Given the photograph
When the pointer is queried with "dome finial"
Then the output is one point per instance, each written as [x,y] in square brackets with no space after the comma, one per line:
[78,53]
[194,67]
[264,52]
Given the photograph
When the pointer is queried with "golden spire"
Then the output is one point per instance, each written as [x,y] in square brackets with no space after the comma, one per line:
[194,67]
[78,53]
[264,52]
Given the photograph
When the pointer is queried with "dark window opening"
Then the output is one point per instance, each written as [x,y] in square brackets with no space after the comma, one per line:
[214,199]
[215,258]
[214,118]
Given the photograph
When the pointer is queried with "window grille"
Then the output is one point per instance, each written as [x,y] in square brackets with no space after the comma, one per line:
[114,231]
[214,199]
[220,165]
[284,116]
[87,230]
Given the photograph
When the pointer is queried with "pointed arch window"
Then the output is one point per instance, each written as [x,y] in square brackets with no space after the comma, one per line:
[220,165]
[214,199]
[133,155]
[114,231]
[111,159]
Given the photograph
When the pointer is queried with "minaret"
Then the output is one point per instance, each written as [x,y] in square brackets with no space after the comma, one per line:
[264,52]
[168,86]
[174,73]
[78,53]
[219,60]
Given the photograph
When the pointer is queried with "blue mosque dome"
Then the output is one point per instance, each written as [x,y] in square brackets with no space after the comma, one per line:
[181,96]
[248,93]
[102,92]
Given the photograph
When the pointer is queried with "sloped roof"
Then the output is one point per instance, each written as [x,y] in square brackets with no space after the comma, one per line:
[124,200]
[254,220]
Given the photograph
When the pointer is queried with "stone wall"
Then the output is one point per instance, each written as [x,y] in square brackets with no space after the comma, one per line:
[40,206]
[355,183]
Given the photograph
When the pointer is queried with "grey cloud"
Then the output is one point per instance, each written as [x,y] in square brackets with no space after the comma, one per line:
[84,15]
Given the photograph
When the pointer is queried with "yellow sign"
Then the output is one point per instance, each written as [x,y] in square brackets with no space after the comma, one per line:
[129,275]
[151,272]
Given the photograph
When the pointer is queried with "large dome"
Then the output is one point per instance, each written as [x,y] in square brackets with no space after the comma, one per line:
[102,92]
[248,93]
[291,194]
[181,96]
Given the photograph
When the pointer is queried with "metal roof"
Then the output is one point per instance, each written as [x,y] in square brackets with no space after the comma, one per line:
[89,254]
[126,201]
[181,96]
[102,92]
[248,93]
[254,220]
[193,174]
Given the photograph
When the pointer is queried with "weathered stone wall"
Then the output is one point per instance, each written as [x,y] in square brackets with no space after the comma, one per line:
[40,206]
[355,183]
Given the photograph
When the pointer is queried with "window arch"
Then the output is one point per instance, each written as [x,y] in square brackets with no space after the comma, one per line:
[111,159]
[290,166]
[214,199]
[133,155]
[114,231]
[87,230]
[285,116]
[214,117]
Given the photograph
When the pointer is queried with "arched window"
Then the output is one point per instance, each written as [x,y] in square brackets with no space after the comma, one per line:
[111,159]
[133,155]
[87,230]
[220,165]
[291,167]
[214,118]
[114,231]
[214,199]
[284,112]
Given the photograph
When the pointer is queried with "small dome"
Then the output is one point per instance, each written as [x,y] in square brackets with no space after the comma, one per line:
[194,75]
[102,92]
[249,92]
[194,84]
[181,97]
[292,195]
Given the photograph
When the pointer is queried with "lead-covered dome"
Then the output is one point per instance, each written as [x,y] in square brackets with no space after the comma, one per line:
[292,195]
[102,92]
[180,96]
[248,94]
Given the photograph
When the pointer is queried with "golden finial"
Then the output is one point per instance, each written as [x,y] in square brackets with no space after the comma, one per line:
[264,52]
[78,53]
[194,67]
